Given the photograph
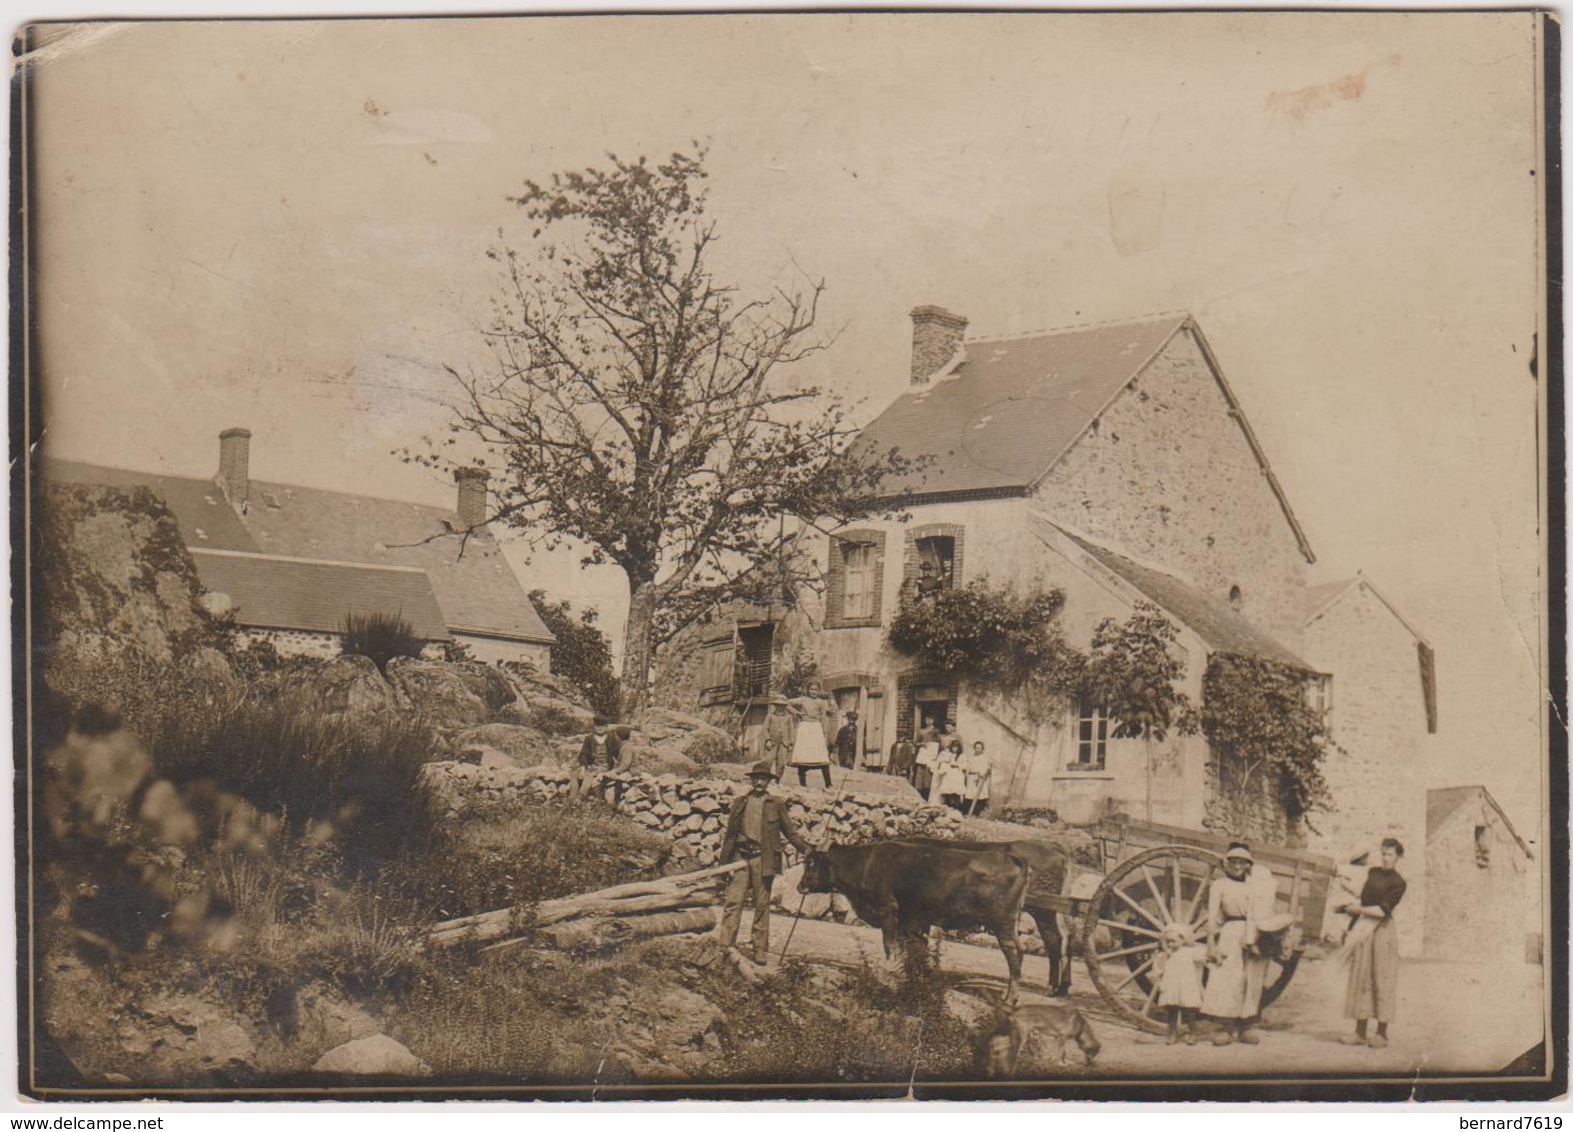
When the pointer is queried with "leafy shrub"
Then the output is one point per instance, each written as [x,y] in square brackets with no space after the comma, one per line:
[1132,674]
[1265,736]
[361,773]
[992,639]
[379,637]
[582,654]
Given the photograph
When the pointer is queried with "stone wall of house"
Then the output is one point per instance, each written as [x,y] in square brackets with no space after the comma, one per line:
[1377,774]
[1480,909]
[680,681]
[490,650]
[1167,474]
[693,812]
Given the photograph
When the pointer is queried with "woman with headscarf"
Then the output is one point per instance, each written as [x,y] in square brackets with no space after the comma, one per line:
[1371,949]
[1234,989]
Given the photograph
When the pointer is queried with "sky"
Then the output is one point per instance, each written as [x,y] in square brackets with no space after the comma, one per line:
[284,225]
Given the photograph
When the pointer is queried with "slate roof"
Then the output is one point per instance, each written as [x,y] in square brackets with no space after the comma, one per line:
[1212,619]
[299,593]
[1015,406]
[478,593]
[204,516]
[1444,803]
[999,420]
[1319,599]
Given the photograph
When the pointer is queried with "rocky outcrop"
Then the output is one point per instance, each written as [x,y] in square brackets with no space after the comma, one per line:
[180,1038]
[511,743]
[374,1056]
[443,694]
[692,813]
[346,686]
[687,734]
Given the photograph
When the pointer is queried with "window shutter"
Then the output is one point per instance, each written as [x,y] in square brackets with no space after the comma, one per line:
[716,665]
[1428,684]
[874,722]
[835,583]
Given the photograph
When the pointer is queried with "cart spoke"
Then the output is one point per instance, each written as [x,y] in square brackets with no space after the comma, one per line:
[1137,950]
[1133,976]
[1177,892]
[1124,927]
[1140,911]
[1156,899]
[1197,901]
[1152,995]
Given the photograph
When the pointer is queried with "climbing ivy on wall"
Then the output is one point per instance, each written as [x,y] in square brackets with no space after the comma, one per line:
[993,639]
[1264,734]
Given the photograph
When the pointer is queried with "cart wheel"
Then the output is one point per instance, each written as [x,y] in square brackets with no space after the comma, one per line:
[1279,972]
[1135,902]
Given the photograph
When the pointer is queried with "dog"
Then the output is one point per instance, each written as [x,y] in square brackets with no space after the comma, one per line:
[1017,1027]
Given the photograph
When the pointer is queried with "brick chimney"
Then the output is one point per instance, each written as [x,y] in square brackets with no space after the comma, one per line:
[234,465]
[472,496]
[936,336]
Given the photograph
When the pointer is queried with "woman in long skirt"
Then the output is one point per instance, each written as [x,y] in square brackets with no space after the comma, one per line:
[1234,989]
[811,742]
[1371,949]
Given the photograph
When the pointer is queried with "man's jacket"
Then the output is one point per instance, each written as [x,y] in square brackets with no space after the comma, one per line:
[774,825]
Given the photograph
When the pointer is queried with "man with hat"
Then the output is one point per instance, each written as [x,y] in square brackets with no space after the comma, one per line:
[1238,907]
[847,742]
[754,829]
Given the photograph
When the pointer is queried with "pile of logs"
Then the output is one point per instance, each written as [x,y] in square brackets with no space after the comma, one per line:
[598,920]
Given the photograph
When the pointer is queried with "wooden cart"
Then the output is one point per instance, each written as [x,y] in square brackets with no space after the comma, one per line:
[1154,875]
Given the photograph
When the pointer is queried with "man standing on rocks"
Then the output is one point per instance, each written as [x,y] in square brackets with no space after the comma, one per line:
[754,829]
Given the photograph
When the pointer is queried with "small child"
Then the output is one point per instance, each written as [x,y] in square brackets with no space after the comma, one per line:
[1178,971]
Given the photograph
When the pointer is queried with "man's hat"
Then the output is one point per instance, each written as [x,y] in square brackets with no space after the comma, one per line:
[852,715]
[762,769]
[1277,922]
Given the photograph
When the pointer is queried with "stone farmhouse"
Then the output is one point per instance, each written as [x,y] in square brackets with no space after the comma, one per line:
[1114,462]
[1486,900]
[291,562]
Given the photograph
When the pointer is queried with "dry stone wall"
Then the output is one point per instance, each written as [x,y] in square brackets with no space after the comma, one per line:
[693,812]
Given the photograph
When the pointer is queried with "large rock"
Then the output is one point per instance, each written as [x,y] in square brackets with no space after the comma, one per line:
[512,742]
[688,734]
[345,685]
[660,760]
[443,694]
[183,1039]
[557,716]
[374,1056]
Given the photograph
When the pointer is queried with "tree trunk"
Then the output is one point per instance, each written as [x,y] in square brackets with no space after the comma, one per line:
[638,650]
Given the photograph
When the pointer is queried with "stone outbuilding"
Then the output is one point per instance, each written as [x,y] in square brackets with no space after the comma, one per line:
[291,562]
[1485,900]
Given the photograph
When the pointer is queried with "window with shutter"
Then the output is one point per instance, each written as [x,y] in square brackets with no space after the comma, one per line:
[754,648]
[853,590]
[715,672]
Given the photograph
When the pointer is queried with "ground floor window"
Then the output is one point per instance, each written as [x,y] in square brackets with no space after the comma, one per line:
[1092,737]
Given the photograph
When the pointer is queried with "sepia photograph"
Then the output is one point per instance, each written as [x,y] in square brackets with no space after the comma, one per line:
[822,555]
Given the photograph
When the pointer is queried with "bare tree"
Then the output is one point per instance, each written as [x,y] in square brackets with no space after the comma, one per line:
[633,404]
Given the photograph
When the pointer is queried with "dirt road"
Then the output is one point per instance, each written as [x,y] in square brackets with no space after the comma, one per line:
[1453,1017]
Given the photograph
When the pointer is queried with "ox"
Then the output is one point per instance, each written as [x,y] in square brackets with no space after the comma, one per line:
[906,887]
[1049,865]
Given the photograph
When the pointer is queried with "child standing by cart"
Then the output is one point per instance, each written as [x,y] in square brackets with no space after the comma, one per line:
[1178,971]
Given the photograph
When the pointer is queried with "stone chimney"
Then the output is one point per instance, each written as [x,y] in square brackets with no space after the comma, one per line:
[234,465]
[472,496]
[936,336]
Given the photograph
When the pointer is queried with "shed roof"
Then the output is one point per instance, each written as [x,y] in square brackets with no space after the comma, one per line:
[1319,599]
[1443,803]
[476,588]
[270,591]
[1220,627]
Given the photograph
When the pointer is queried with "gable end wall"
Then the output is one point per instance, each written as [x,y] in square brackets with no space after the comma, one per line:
[1168,475]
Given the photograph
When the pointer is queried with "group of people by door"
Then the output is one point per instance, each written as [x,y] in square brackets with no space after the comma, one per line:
[943,769]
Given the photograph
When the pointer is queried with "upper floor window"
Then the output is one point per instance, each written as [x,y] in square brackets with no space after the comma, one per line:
[1319,694]
[1092,737]
[755,647]
[936,565]
[857,560]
